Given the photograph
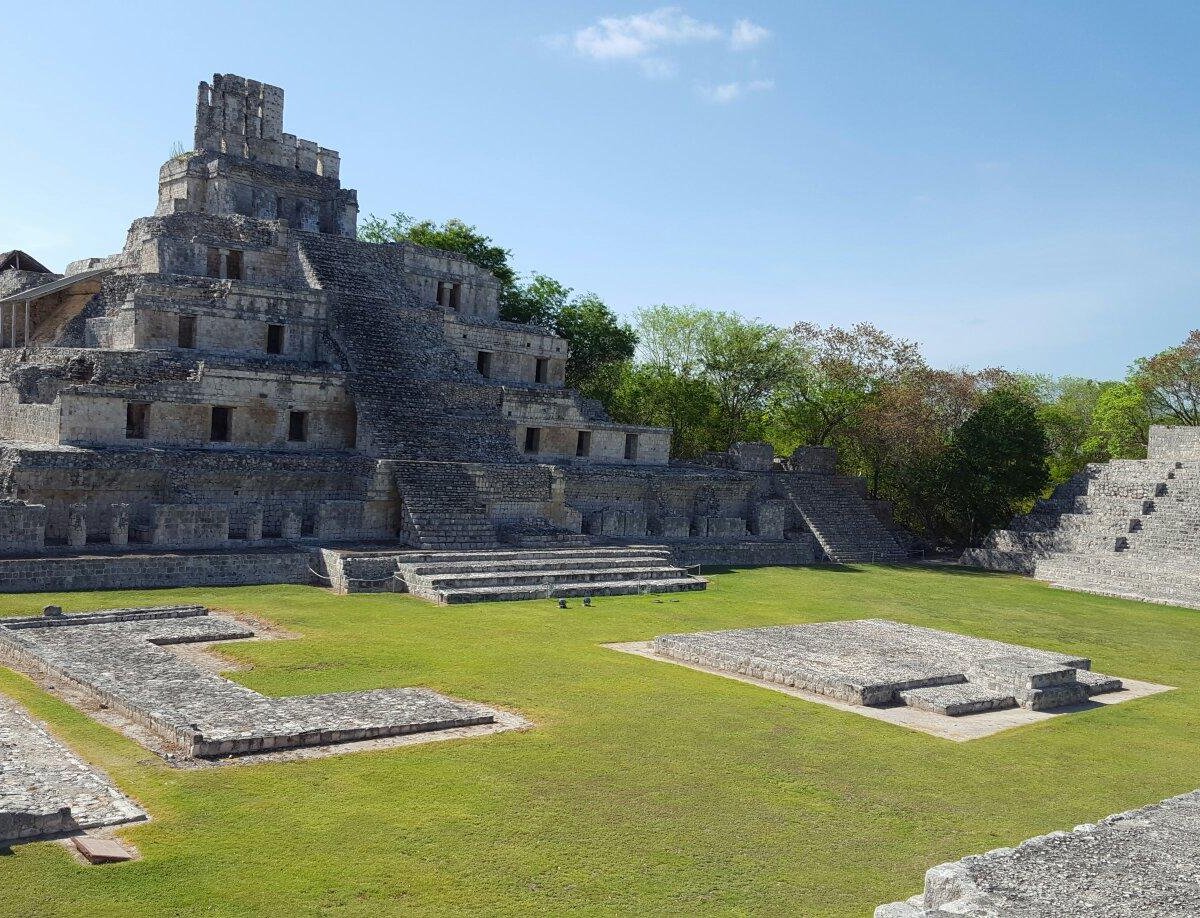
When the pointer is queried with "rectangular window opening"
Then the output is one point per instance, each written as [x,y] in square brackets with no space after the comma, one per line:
[214,262]
[533,439]
[541,370]
[135,420]
[583,443]
[233,264]
[442,294]
[187,331]
[483,363]
[631,446]
[298,426]
[274,339]
[219,428]
[455,296]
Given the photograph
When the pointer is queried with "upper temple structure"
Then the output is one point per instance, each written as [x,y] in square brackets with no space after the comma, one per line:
[247,378]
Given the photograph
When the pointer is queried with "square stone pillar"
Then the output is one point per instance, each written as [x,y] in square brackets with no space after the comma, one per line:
[77,525]
[118,532]
[254,525]
[289,528]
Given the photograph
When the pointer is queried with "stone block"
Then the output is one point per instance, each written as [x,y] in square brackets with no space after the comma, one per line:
[254,525]
[670,526]
[189,526]
[339,519]
[752,457]
[815,460]
[77,525]
[118,532]
[290,526]
[768,519]
[22,526]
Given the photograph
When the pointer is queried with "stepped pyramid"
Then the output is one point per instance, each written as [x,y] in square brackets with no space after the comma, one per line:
[247,374]
[1128,528]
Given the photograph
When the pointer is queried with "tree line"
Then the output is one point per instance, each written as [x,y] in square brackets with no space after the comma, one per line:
[956,452]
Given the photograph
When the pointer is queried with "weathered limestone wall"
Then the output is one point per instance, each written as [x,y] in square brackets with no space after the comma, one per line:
[27,423]
[151,571]
[1171,442]
[180,414]
[424,268]
[513,350]
[257,490]
[22,526]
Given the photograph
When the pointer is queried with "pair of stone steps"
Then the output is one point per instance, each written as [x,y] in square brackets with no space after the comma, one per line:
[495,575]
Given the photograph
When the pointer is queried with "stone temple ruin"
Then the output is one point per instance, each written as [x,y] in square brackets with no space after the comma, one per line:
[246,383]
[1128,527]
[878,663]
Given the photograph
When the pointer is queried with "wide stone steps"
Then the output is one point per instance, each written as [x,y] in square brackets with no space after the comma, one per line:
[486,576]
[448,582]
[565,590]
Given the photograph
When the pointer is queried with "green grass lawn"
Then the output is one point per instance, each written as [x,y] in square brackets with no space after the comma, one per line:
[645,788]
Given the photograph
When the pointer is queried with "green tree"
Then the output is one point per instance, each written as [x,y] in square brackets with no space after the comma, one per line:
[1170,381]
[595,335]
[1120,423]
[837,373]
[996,465]
[659,396]
[1067,412]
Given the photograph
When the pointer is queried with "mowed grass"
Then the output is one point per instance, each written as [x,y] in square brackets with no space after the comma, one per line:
[645,788]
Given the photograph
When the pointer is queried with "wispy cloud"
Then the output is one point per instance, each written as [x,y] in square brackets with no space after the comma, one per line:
[636,36]
[647,40]
[725,93]
[747,34]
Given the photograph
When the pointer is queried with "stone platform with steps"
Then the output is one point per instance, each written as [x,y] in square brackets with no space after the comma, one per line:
[508,574]
[875,662]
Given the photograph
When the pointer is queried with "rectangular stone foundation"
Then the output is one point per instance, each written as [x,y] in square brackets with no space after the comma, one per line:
[876,663]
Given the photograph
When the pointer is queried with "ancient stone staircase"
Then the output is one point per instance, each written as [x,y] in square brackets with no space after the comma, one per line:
[510,574]
[1128,528]
[441,507]
[841,520]
[418,398]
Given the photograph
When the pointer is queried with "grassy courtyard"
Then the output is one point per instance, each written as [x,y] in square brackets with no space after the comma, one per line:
[645,788]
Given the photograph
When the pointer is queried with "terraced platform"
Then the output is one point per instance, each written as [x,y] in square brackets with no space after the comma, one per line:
[509,574]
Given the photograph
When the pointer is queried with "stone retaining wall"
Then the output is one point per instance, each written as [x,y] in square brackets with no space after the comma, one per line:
[152,571]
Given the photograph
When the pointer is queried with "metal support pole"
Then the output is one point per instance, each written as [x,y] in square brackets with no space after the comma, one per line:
[12,324]
[27,323]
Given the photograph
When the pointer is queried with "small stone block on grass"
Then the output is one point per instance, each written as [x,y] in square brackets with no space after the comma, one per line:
[101,850]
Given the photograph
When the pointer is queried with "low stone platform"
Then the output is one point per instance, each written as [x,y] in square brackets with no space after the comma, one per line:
[117,656]
[877,663]
[1138,864]
[45,789]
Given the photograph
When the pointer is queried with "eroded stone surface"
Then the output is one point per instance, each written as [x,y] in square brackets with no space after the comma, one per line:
[45,789]
[1140,864]
[118,657]
[879,662]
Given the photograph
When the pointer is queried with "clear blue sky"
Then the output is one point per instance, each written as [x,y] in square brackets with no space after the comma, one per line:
[1009,183]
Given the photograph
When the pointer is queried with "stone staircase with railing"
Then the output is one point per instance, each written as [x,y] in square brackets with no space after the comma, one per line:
[841,520]
[1128,528]
[510,574]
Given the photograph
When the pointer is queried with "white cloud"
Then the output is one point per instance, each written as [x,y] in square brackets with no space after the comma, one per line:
[637,36]
[747,34]
[725,93]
